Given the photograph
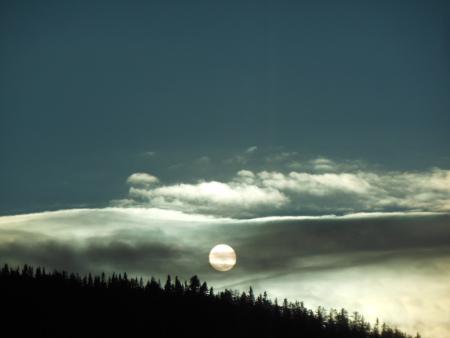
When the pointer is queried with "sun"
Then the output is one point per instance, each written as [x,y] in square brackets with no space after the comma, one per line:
[222,257]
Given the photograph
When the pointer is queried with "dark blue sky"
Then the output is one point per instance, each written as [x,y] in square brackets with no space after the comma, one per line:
[86,87]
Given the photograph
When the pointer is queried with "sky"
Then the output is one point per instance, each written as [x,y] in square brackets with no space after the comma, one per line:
[311,136]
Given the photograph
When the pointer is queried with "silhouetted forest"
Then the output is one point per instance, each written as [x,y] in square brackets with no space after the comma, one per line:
[36,303]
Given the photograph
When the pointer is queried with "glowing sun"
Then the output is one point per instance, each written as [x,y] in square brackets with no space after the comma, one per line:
[222,257]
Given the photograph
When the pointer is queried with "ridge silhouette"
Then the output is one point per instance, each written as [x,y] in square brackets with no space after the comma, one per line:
[37,303]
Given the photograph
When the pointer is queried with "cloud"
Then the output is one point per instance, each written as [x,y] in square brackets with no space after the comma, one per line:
[242,157]
[315,184]
[263,193]
[148,154]
[136,240]
[323,164]
[142,179]
[211,197]
[274,244]
[281,156]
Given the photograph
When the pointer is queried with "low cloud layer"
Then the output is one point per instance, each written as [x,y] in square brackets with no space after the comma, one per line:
[263,193]
[388,265]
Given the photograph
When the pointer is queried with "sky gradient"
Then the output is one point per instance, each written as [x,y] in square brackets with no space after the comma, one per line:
[88,87]
[311,136]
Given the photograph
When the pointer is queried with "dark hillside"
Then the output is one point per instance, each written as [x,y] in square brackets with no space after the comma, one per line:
[36,303]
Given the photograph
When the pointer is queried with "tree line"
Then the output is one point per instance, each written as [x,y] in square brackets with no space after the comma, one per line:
[39,303]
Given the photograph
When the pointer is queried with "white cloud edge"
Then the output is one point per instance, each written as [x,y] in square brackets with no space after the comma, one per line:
[174,215]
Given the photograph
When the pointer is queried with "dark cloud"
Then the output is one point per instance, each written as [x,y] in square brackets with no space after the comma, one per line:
[277,245]
[262,246]
[138,258]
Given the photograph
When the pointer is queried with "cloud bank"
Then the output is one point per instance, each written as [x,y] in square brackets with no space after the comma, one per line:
[252,194]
